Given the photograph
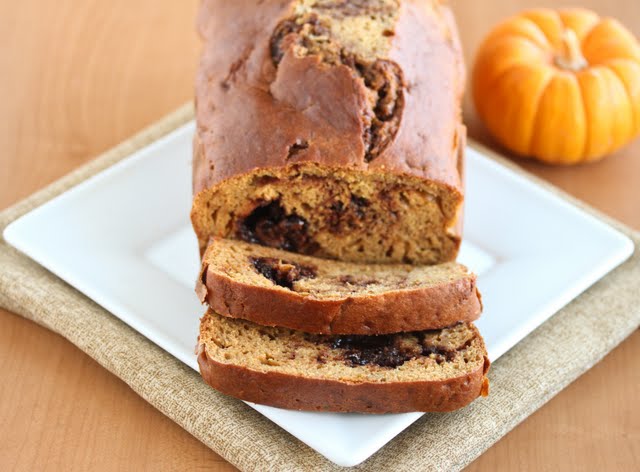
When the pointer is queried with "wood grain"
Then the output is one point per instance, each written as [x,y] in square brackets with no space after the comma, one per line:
[77,77]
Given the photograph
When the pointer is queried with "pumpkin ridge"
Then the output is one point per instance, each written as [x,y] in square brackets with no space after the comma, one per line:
[520,37]
[496,80]
[553,13]
[587,135]
[535,25]
[508,70]
[584,112]
[520,41]
[634,116]
[627,96]
[590,31]
[556,14]
[629,43]
[586,38]
[511,30]
[536,116]
[581,35]
[520,63]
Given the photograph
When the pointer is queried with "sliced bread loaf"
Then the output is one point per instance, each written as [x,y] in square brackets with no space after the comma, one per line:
[420,371]
[273,287]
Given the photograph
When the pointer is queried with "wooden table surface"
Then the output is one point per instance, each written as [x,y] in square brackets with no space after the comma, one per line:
[79,76]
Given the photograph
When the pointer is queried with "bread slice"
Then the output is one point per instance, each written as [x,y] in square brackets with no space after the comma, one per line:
[273,287]
[420,371]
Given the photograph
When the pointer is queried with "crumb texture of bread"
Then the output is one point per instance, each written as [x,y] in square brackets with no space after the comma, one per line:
[273,287]
[439,370]
[322,129]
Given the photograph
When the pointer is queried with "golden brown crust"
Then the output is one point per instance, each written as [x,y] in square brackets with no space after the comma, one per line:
[300,393]
[415,309]
[254,112]
[249,111]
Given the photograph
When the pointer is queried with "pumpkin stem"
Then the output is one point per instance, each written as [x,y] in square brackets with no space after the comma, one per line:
[570,57]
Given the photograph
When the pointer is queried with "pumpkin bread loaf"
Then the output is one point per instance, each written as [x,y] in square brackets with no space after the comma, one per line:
[330,128]
[273,287]
[419,371]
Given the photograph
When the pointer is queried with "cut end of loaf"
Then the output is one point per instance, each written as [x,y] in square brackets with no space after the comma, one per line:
[335,213]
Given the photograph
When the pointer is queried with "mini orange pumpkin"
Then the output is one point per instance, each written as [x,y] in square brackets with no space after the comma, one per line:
[563,87]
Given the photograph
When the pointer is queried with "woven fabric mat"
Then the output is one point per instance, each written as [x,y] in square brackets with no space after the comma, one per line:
[522,380]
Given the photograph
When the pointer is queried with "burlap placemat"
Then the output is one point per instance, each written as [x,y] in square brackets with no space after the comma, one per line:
[521,381]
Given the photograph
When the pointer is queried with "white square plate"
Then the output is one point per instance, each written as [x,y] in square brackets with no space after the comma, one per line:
[124,239]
